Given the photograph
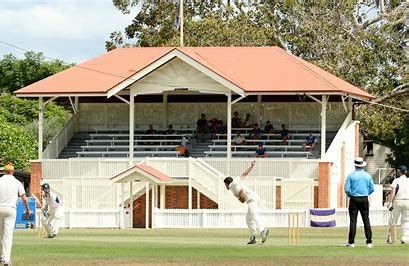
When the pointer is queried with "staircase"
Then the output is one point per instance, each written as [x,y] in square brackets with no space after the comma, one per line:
[197,149]
[74,145]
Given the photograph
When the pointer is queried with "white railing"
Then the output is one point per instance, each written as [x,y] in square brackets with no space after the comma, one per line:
[177,218]
[61,140]
[205,178]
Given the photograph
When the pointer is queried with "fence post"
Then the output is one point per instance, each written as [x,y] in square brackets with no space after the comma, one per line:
[307,214]
[69,218]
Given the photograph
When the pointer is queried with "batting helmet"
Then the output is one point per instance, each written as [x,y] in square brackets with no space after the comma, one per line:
[45,186]
[403,169]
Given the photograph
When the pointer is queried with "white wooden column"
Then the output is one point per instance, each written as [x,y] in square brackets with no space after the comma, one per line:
[165,111]
[147,205]
[228,125]
[153,204]
[131,126]
[350,104]
[131,203]
[40,127]
[162,196]
[122,205]
[76,103]
[259,110]
[324,102]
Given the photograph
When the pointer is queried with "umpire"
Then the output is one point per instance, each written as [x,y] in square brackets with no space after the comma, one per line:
[358,186]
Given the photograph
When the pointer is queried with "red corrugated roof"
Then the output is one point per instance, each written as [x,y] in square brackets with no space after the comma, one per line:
[153,172]
[253,69]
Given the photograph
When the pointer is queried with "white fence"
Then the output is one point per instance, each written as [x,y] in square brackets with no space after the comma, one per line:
[177,218]
[205,218]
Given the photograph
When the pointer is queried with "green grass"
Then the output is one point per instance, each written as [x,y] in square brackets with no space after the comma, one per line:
[201,246]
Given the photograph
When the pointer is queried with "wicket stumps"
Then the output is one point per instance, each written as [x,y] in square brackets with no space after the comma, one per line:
[293,229]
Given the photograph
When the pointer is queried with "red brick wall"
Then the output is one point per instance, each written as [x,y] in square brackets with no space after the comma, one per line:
[176,197]
[357,139]
[315,196]
[324,184]
[278,197]
[35,179]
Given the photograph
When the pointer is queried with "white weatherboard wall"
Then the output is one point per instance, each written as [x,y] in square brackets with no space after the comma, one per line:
[116,115]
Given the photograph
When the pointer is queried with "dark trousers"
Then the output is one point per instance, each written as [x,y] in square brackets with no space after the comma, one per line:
[360,204]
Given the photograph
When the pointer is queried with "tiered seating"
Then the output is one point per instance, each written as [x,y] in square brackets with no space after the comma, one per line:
[116,144]
[272,142]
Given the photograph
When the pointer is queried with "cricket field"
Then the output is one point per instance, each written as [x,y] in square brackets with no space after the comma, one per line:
[318,246]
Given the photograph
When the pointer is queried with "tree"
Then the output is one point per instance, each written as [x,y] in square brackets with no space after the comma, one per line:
[18,73]
[16,145]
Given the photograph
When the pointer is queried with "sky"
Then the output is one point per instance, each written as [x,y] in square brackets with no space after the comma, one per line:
[70,30]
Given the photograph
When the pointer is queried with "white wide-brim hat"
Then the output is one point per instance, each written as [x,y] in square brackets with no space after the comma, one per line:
[359,162]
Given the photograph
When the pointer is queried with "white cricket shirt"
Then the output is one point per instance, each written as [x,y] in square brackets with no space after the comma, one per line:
[10,189]
[238,185]
[402,183]
[52,201]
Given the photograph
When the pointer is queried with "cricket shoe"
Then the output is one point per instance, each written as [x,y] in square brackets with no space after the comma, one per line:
[369,245]
[349,245]
[252,240]
[264,235]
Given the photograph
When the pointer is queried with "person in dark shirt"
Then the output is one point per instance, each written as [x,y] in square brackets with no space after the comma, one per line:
[255,132]
[268,128]
[236,121]
[285,134]
[261,151]
[310,142]
[151,131]
[170,130]
[201,127]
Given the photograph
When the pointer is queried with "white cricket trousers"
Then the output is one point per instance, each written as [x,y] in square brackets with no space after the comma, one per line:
[7,222]
[53,221]
[401,208]
[253,218]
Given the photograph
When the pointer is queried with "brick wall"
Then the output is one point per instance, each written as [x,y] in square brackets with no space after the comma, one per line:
[176,197]
[324,184]
[35,179]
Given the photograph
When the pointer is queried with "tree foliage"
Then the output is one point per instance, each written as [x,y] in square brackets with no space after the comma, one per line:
[18,139]
[17,73]
[16,145]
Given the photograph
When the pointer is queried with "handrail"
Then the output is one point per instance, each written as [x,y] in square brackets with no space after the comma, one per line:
[54,148]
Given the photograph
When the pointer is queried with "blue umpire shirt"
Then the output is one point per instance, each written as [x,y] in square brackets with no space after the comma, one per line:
[359,184]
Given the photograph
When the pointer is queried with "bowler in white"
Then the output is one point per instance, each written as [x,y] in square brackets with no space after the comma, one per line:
[245,195]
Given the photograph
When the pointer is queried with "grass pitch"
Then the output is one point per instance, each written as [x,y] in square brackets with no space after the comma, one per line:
[318,246]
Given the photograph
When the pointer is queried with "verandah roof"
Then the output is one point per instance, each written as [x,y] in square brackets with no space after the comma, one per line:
[254,70]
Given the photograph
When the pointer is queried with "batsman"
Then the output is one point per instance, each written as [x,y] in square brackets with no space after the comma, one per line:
[53,211]
[399,206]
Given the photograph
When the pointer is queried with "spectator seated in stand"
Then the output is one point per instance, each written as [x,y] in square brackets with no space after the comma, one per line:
[285,134]
[151,131]
[248,121]
[310,142]
[255,132]
[201,127]
[239,139]
[170,130]
[261,151]
[182,149]
[268,128]
[235,120]
[220,128]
